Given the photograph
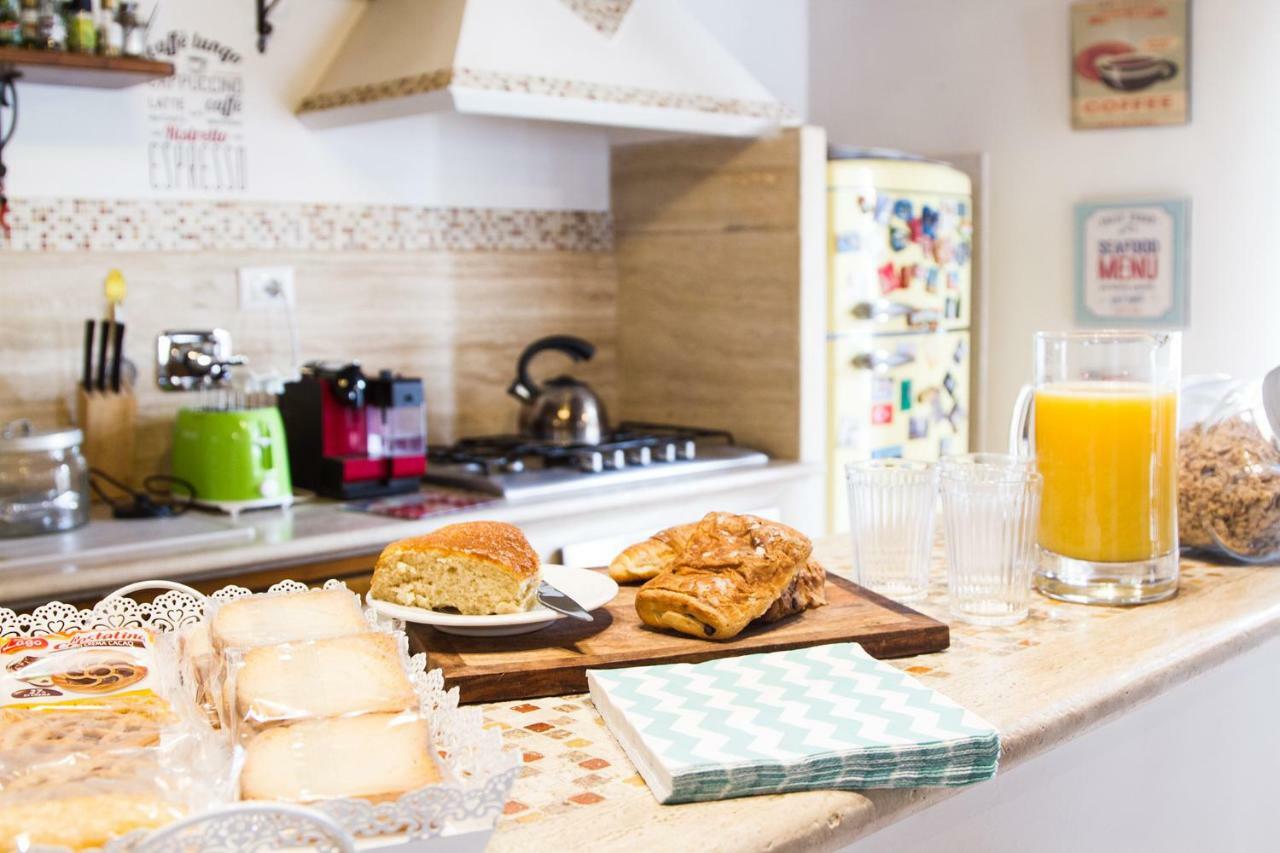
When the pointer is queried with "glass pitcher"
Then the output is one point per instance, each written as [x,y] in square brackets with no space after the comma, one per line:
[1101,423]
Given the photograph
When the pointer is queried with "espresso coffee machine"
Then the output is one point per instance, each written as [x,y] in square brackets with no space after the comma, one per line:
[352,435]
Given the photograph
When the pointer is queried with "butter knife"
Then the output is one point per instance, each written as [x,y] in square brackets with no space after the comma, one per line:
[553,599]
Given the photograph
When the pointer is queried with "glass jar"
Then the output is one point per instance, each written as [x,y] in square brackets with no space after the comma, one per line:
[1229,467]
[44,481]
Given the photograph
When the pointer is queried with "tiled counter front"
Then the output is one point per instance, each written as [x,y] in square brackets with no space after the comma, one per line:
[1064,669]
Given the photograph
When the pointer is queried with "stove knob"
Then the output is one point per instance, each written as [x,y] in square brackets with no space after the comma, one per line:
[666,453]
[686,450]
[513,466]
[639,456]
[590,462]
[615,459]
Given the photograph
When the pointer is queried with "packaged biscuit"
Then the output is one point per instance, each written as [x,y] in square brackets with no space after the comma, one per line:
[338,676]
[272,618]
[373,756]
[97,739]
[84,800]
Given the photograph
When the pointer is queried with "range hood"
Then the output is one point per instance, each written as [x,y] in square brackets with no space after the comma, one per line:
[621,63]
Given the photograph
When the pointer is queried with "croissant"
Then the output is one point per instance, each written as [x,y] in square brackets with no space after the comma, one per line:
[643,560]
[730,573]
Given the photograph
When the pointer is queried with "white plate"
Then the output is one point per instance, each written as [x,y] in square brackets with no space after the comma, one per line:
[590,589]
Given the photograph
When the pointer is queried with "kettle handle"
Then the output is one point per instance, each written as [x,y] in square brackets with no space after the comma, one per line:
[576,348]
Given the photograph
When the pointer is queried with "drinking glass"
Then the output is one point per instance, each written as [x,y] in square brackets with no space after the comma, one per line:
[891,519]
[1101,423]
[990,508]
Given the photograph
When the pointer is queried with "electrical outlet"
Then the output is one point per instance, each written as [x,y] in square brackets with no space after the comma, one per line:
[263,287]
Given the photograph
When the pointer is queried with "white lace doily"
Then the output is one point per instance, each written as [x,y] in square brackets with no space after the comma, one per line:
[482,772]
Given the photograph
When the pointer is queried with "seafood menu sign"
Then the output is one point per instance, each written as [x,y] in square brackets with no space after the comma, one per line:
[1130,63]
[196,135]
[1131,264]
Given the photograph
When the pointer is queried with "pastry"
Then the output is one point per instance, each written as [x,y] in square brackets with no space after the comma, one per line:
[644,560]
[79,729]
[80,822]
[808,589]
[731,572]
[323,678]
[374,756]
[265,620]
[84,800]
[476,568]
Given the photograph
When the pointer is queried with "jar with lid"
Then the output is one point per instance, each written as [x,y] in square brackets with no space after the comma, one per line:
[44,481]
[1229,467]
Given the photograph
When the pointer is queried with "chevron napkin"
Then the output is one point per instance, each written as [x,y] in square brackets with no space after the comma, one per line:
[822,717]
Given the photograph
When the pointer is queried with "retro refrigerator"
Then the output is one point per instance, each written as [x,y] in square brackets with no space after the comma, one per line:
[900,244]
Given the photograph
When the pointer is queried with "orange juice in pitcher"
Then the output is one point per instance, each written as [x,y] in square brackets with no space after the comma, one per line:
[1101,422]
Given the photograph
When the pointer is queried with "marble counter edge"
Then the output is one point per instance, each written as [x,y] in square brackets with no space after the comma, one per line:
[832,819]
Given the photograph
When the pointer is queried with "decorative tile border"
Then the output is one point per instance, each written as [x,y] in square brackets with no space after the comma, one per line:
[85,225]
[533,84]
[604,15]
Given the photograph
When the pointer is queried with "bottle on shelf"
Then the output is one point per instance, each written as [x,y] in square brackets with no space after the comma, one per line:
[135,31]
[52,27]
[10,28]
[29,23]
[110,32]
[82,30]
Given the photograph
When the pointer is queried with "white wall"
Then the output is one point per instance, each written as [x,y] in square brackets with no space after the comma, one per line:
[993,75]
[82,143]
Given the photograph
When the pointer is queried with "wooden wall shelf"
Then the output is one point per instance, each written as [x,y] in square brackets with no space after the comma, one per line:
[56,68]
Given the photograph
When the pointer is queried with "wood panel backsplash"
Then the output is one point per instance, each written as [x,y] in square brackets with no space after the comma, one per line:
[458,320]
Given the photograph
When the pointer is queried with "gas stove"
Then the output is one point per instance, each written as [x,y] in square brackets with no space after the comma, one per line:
[515,466]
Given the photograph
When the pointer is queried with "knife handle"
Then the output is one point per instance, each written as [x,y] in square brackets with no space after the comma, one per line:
[100,381]
[117,355]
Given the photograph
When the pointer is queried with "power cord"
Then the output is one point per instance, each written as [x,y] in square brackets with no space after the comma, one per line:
[158,499]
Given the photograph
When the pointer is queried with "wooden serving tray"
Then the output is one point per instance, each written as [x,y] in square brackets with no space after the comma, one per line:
[554,660]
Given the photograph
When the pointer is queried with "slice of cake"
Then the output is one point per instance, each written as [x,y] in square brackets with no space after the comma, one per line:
[264,620]
[476,568]
[375,756]
[323,678]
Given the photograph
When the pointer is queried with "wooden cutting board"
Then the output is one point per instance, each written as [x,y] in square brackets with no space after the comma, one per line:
[554,661]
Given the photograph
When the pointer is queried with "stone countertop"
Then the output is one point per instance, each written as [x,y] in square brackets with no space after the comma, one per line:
[1043,682]
[315,531]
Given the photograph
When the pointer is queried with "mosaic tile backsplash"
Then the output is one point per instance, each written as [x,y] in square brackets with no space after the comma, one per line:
[157,225]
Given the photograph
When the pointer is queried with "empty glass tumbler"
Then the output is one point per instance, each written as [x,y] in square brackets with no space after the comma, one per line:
[990,509]
[891,520]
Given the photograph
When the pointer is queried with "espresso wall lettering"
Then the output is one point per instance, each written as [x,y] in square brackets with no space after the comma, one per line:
[196,139]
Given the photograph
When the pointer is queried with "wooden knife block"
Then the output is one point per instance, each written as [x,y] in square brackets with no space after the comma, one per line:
[107,420]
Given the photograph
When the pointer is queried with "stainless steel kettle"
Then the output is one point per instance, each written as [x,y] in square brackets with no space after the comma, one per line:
[563,410]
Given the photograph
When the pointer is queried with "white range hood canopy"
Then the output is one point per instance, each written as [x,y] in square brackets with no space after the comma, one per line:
[622,63]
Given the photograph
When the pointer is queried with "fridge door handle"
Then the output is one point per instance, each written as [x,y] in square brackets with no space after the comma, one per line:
[881,310]
[882,360]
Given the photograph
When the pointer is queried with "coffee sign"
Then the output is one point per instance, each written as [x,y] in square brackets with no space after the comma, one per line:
[1131,265]
[1131,63]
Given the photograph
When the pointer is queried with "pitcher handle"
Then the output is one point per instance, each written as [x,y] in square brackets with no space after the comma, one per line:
[1020,423]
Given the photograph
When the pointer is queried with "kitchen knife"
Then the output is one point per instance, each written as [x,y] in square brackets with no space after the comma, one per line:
[100,381]
[117,356]
[553,599]
[86,378]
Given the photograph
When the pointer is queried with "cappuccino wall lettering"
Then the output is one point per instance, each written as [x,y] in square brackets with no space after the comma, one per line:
[196,118]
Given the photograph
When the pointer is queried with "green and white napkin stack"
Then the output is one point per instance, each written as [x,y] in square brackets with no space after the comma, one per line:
[822,717]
